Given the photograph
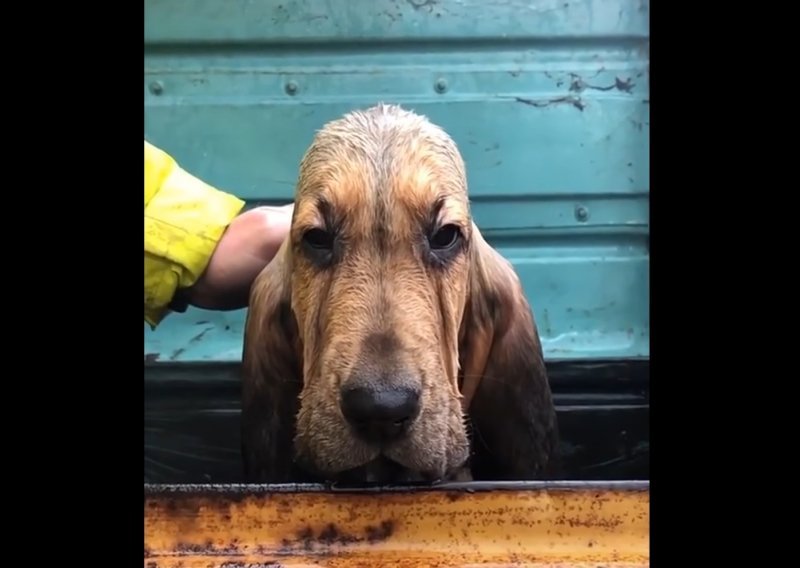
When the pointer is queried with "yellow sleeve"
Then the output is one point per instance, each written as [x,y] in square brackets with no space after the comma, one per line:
[184,219]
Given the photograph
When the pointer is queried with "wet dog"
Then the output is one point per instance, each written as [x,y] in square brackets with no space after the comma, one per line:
[387,341]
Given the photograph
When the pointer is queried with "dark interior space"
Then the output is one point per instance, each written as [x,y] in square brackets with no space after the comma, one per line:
[192,421]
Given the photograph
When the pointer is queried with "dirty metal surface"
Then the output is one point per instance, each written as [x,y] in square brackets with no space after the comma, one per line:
[547,100]
[452,525]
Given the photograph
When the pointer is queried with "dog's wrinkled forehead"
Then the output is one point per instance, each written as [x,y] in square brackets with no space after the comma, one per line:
[367,164]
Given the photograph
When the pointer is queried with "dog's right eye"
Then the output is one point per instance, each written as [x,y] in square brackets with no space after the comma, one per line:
[318,239]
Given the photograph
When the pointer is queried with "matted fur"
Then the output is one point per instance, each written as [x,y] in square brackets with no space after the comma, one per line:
[462,331]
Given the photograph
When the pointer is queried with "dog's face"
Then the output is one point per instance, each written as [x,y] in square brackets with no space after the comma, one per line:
[384,314]
[380,264]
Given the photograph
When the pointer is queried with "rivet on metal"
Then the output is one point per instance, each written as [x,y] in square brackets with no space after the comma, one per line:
[440,86]
[156,87]
[581,213]
[291,88]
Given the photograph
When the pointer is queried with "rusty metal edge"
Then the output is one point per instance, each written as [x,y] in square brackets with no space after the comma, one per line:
[468,487]
[220,526]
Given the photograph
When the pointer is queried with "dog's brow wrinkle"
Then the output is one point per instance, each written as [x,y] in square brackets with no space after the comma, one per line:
[381,344]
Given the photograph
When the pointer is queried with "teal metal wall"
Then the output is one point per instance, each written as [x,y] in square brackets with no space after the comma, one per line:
[548,101]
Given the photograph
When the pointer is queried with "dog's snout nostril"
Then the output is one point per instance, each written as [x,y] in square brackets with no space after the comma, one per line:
[380,414]
[366,404]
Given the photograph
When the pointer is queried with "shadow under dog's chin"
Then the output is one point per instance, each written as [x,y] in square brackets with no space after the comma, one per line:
[384,471]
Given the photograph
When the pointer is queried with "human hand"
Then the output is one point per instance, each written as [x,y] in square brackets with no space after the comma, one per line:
[248,245]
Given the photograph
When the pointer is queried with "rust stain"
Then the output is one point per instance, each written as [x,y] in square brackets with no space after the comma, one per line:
[399,562]
[578,85]
[526,527]
[180,350]
[574,101]
[200,335]
[177,353]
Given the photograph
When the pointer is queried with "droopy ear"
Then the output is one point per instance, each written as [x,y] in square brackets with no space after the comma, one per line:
[504,380]
[272,379]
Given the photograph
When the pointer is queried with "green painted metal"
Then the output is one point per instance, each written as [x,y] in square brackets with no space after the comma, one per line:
[548,101]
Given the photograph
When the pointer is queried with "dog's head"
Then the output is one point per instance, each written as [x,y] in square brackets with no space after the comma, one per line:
[356,336]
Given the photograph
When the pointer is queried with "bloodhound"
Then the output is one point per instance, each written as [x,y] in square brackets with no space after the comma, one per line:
[388,342]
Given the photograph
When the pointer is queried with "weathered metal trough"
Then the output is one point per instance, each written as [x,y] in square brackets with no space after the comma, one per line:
[474,524]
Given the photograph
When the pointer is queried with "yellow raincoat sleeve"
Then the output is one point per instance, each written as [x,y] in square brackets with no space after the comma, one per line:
[184,219]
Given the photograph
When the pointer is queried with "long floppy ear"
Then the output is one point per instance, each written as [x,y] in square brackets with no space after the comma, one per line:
[505,386]
[272,379]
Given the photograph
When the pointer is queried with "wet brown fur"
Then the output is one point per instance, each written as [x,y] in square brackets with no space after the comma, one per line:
[381,178]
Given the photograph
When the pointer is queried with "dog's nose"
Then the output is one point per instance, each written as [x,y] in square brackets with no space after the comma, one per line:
[380,414]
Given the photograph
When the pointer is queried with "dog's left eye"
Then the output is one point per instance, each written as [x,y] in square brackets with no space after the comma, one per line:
[318,239]
[445,237]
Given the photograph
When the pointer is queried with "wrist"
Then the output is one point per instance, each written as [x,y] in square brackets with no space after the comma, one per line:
[180,300]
